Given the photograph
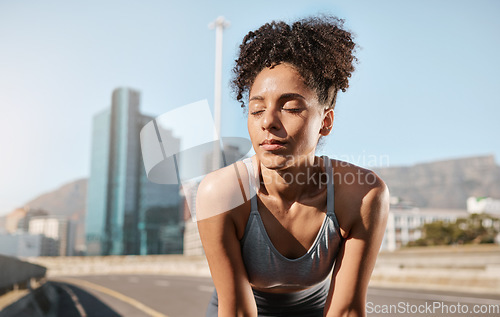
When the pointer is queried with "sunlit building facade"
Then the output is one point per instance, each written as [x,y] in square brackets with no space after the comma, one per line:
[405,224]
[58,233]
[126,213]
[483,205]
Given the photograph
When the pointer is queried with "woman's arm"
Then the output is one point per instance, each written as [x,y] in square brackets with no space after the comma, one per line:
[217,197]
[357,255]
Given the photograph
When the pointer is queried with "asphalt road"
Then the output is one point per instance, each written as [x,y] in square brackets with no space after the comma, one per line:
[178,296]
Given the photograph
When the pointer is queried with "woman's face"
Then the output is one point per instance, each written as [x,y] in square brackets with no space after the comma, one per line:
[285,119]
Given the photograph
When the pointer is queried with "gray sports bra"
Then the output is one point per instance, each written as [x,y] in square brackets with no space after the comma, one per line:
[267,268]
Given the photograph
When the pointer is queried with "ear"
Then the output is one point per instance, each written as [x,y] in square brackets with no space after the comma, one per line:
[327,124]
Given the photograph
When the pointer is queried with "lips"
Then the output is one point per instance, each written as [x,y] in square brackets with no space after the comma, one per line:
[271,141]
[271,144]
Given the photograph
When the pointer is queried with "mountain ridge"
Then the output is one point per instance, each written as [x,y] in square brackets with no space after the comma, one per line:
[443,184]
[436,184]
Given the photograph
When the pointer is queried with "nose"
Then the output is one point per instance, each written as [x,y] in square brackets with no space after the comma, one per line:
[270,120]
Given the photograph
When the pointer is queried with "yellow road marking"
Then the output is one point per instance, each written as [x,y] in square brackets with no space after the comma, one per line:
[115,294]
[75,300]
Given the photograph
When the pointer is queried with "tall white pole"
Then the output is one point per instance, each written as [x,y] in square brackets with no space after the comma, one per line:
[219,24]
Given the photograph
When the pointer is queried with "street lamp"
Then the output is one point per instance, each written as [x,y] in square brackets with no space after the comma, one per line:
[219,24]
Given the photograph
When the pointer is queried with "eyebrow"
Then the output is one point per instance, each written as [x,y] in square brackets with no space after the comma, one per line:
[289,95]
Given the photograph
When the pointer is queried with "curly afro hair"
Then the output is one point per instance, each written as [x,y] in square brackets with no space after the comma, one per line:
[318,47]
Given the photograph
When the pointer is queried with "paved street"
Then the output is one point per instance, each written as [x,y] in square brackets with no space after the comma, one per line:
[162,295]
[139,295]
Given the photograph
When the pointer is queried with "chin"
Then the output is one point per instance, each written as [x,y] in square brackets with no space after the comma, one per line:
[273,161]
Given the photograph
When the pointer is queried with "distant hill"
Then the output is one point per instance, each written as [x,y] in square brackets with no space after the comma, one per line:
[444,184]
[63,201]
[69,201]
[441,184]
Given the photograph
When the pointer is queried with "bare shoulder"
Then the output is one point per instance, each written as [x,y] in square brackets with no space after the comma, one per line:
[352,174]
[222,191]
[363,195]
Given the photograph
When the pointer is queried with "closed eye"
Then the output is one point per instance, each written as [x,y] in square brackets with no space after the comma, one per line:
[255,113]
[294,110]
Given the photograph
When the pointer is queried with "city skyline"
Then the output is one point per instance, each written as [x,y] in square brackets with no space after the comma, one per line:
[424,88]
[126,213]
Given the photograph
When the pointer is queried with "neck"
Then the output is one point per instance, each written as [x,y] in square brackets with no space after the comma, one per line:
[301,179]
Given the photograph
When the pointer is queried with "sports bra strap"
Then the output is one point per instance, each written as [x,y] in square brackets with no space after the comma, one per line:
[251,178]
[329,178]
[330,200]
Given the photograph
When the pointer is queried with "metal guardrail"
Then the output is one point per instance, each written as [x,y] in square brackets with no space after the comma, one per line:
[16,272]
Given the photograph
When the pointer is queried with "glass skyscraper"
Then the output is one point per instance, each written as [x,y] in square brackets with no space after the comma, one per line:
[126,213]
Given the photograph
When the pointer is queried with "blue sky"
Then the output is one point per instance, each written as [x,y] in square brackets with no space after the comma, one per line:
[426,86]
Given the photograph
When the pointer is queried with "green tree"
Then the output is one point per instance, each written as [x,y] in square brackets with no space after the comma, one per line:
[477,228]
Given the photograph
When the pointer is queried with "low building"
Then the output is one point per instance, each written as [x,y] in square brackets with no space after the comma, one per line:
[21,244]
[404,223]
[483,205]
[57,232]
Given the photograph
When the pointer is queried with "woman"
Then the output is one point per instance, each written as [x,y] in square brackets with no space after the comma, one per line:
[287,233]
